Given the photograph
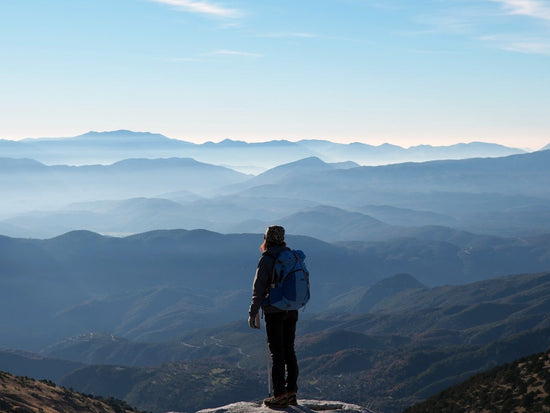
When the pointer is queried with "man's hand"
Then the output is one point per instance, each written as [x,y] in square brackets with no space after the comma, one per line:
[254,321]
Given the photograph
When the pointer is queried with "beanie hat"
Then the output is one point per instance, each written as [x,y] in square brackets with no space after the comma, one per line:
[275,234]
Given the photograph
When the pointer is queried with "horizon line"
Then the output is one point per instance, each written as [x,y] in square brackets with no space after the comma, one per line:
[291,140]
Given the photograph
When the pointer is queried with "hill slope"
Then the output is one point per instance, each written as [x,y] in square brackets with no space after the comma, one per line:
[521,386]
[21,394]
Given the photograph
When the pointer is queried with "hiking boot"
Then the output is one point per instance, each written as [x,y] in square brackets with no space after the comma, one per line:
[280,401]
[291,398]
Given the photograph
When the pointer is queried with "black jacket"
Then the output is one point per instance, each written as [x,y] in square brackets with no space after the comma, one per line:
[262,280]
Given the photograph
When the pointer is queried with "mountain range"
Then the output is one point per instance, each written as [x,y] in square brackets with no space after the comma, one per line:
[127,259]
[112,146]
[506,195]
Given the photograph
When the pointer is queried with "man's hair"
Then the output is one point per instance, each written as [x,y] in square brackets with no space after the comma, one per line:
[274,236]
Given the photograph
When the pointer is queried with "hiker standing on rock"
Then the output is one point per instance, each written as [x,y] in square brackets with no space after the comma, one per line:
[280,323]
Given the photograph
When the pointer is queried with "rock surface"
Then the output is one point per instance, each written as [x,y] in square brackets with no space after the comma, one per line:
[305,406]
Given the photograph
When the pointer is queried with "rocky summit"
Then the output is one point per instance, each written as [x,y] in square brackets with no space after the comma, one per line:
[305,406]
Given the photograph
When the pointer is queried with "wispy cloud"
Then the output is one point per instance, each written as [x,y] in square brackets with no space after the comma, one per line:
[209,56]
[444,23]
[526,45]
[533,8]
[202,7]
[184,59]
[453,18]
[294,36]
[226,52]
[290,34]
[481,21]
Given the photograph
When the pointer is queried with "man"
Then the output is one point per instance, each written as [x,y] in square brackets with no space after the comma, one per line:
[280,324]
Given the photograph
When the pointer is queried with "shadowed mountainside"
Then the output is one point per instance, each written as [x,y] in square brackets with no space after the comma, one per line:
[523,385]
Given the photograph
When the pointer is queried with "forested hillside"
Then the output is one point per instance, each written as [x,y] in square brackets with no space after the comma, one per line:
[521,386]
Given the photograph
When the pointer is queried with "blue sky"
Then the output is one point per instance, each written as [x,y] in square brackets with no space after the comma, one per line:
[406,72]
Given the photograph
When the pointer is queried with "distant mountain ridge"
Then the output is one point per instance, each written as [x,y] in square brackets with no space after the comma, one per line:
[121,134]
[111,146]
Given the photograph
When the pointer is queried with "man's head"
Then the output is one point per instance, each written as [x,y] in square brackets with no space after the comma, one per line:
[275,235]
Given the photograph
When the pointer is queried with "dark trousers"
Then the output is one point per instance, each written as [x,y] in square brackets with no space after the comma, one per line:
[281,330]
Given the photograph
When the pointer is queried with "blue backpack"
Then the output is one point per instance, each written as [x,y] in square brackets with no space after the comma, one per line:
[289,288]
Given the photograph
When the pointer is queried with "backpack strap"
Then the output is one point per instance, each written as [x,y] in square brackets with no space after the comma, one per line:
[272,280]
[275,258]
